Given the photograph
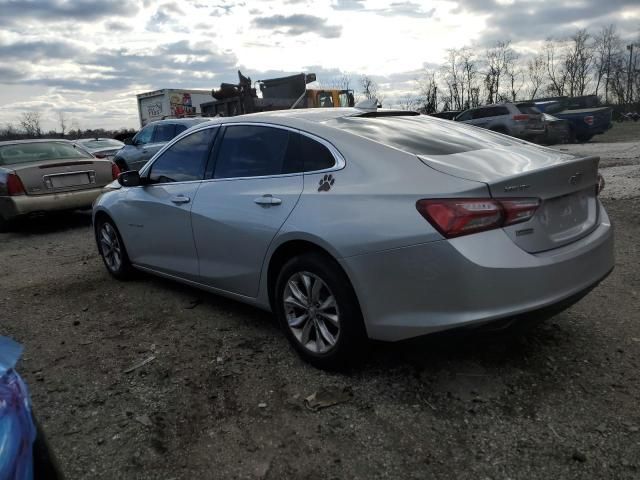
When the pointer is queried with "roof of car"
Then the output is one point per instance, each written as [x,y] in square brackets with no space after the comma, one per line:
[35,140]
[192,120]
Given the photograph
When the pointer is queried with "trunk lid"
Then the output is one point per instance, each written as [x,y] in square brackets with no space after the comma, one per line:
[565,185]
[54,176]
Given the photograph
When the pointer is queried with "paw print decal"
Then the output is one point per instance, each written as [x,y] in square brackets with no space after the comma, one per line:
[326,183]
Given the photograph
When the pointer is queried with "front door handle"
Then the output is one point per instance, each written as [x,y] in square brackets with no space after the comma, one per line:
[179,199]
[267,200]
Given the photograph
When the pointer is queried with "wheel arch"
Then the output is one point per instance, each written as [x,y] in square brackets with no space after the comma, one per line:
[287,250]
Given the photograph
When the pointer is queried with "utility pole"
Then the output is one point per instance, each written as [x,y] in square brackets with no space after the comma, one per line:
[629,83]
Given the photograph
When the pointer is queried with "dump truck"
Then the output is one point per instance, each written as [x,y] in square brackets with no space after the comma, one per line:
[170,103]
[277,94]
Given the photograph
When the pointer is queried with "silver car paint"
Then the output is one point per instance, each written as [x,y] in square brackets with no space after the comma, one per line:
[408,279]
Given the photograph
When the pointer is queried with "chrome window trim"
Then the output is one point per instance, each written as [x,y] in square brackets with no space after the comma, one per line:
[340,162]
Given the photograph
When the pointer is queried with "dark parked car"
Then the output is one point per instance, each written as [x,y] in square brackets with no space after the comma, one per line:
[148,141]
[448,115]
[101,147]
[584,122]
[556,130]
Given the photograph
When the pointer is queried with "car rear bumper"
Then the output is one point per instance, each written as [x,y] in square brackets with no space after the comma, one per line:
[412,291]
[11,207]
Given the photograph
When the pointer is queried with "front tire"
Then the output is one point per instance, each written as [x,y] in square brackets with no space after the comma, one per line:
[112,249]
[319,312]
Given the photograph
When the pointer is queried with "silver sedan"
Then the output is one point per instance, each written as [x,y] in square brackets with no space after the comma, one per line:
[352,225]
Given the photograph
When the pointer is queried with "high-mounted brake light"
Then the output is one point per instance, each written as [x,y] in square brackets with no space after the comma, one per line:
[588,119]
[14,185]
[115,171]
[519,118]
[462,216]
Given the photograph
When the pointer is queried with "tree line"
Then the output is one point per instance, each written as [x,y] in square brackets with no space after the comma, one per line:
[30,126]
[584,63]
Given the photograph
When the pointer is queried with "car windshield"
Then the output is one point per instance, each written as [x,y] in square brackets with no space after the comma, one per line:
[419,135]
[101,143]
[38,151]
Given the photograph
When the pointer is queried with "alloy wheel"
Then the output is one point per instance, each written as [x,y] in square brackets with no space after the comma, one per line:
[312,312]
[110,247]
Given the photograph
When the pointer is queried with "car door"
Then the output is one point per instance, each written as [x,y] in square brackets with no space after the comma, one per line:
[157,223]
[131,155]
[481,117]
[254,184]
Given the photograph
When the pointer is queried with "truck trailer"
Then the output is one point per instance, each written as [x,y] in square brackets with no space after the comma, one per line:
[170,103]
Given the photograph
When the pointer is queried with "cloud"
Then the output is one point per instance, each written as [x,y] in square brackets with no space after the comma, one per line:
[348,5]
[533,20]
[60,10]
[37,50]
[298,24]
[405,9]
[119,27]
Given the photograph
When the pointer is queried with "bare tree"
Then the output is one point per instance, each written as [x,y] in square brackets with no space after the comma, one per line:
[470,74]
[369,87]
[535,74]
[30,123]
[408,102]
[62,120]
[428,93]
[498,59]
[556,74]
[578,62]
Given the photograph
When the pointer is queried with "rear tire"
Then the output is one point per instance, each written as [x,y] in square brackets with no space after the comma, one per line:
[583,138]
[5,225]
[112,249]
[319,311]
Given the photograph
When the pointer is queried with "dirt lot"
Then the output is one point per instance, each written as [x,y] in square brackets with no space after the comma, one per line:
[222,396]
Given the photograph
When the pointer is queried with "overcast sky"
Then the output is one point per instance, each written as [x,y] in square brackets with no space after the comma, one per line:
[89,58]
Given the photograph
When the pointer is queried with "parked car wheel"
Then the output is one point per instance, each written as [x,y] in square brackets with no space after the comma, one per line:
[319,312]
[112,249]
[4,225]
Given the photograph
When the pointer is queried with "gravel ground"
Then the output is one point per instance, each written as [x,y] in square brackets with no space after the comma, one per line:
[222,394]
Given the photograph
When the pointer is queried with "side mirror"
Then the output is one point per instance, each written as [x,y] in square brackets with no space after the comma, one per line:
[129,179]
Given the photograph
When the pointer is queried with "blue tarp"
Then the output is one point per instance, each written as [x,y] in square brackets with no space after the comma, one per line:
[17,430]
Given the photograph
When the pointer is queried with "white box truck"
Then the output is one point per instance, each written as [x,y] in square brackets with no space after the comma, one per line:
[170,103]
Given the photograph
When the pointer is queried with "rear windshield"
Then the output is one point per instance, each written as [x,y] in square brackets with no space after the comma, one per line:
[528,108]
[420,135]
[36,152]
[102,143]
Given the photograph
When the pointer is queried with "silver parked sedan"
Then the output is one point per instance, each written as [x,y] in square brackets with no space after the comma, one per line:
[352,224]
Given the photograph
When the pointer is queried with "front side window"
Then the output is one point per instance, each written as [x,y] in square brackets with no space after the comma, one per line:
[185,160]
[144,136]
[464,116]
[252,151]
[164,132]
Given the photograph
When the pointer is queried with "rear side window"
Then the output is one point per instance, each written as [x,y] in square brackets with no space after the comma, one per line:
[164,132]
[464,116]
[528,108]
[251,151]
[185,160]
[315,155]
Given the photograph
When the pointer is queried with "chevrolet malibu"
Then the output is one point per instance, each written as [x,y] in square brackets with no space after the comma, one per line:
[350,224]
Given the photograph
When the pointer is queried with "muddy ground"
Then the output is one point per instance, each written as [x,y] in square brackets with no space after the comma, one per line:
[221,394]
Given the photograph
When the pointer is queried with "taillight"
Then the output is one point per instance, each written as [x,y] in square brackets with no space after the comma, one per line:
[14,185]
[457,217]
[115,171]
[519,118]
[588,120]
[600,184]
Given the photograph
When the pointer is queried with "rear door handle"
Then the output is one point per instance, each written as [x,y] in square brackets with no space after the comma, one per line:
[180,199]
[267,199]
